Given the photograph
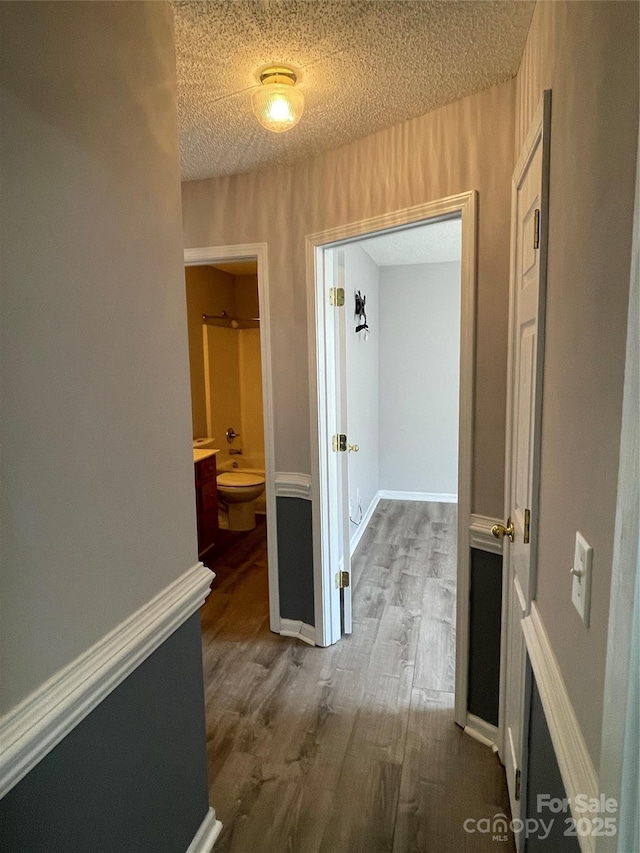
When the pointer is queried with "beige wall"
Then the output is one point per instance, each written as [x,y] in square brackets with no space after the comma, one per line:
[209,291]
[467,145]
[587,53]
[97,512]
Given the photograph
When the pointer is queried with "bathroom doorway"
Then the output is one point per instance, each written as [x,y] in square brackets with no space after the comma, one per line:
[230,373]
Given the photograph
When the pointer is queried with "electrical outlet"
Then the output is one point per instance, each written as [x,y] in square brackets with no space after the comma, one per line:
[581,574]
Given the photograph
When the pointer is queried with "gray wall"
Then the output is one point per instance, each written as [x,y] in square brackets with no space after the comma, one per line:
[98,509]
[295,559]
[485,605]
[544,778]
[587,53]
[419,377]
[132,776]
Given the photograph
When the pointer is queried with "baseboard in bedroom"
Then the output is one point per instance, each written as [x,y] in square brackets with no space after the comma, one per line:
[358,533]
[206,836]
[295,628]
[435,497]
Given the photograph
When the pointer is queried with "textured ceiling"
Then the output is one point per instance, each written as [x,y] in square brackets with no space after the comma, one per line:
[435,243]
[362,64]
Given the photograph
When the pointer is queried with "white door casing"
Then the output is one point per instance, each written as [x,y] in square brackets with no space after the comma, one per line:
[327,617]
[218,254]
[529,215]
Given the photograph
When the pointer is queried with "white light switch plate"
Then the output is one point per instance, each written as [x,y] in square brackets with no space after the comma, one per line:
[581,573]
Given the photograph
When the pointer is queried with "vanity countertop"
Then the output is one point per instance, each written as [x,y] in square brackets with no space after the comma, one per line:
[199,455]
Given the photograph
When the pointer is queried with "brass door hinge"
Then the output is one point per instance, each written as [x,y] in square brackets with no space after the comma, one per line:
[336,296]
[536,229]
[518,784]
[527,526]
[342,580]
[339,443]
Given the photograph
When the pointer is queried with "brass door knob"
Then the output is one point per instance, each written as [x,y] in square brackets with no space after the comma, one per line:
[500,531]
[354,448]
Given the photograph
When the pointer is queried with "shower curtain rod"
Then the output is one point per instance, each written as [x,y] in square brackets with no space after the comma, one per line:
[225,316]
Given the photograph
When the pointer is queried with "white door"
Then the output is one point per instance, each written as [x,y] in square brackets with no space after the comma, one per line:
[334,479]
[526,339]
[342,482]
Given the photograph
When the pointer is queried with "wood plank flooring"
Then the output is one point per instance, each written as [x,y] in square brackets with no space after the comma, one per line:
[350,749]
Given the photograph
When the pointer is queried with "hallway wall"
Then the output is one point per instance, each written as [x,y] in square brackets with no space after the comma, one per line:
[587,53]
[466,145]
[97,515]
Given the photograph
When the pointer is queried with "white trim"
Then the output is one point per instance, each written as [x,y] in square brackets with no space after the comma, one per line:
[206,836]
[212,254]
[480,535]
[464,205]
[293,485]
[576,768]
[432,497]
[295,628]
[482,731]
[362,526]
[37,724]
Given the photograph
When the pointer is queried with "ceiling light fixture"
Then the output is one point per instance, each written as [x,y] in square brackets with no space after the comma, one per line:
[276,103]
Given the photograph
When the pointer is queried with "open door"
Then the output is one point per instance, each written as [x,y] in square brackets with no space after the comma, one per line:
[334,470]
[524,406]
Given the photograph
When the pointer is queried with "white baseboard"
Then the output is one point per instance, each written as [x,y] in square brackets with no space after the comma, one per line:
[295,628]
[576,768]
[435,497]
[206,836]
[290,484]
[362,526]
[482,731]
[480,535]
[37,724]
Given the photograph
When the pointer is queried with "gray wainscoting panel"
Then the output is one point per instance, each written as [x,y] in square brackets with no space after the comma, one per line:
[484,635]
[544,778]
[132,776]
[295,559]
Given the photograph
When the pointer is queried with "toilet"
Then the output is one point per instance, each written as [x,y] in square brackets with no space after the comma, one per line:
[238,490]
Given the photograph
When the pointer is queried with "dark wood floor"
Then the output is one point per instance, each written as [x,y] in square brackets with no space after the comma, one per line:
[350,749]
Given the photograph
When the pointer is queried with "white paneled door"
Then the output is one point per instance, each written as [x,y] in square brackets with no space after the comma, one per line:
[526,339]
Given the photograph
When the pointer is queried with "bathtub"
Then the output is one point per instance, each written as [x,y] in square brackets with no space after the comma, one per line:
[250,464]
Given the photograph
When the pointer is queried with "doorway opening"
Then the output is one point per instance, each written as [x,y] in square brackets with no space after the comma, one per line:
[229,354]
[339,379]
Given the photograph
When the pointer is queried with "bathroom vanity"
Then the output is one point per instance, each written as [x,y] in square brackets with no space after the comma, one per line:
[204,462]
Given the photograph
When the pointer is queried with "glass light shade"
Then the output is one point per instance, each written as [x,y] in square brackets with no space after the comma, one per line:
[277,106]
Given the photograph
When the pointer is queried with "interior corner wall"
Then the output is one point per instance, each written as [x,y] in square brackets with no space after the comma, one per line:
[362,274]
[587,53]
[98,508]
[419,377]
[464,146]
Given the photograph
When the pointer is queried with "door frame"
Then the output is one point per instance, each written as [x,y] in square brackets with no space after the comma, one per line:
[464,205]
[257,252]
[539,135]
